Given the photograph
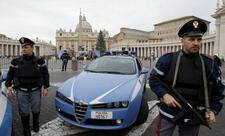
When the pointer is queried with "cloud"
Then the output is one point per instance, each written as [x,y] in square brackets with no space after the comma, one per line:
[42,18]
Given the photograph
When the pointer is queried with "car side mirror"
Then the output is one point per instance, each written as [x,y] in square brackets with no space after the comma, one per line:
[144,71]
[85,67]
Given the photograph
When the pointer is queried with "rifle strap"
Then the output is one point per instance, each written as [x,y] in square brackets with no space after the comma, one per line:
[205,85]
[176,69]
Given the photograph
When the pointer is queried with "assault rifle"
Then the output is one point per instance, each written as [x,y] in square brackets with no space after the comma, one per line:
[186,107]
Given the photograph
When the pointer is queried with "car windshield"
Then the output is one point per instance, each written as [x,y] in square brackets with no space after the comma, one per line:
[115,65]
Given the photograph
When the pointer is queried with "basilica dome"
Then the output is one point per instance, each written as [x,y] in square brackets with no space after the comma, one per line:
[86,27]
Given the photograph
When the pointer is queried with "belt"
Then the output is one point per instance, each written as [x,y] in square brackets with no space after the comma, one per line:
[30,89]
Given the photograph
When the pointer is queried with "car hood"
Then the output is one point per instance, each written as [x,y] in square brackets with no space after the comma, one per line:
[94,88]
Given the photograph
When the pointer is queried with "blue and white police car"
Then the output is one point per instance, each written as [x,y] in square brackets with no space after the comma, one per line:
[109,94]
[5,114]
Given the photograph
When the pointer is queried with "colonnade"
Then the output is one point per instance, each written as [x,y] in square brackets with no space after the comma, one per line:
[147,50]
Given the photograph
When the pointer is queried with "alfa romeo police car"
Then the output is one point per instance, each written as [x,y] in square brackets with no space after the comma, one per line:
[108,94]
[5,113]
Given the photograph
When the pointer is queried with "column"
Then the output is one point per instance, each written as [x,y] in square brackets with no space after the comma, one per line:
[2,52]
[20,50]
[155,52]
[206,49]
[11,50]
[161,51]
[213,46]
[16,50]
[203,48]
[147,52]
[7,50]
[138,51]
[210,52]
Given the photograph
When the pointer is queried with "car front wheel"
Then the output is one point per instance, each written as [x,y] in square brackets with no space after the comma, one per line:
[143,113]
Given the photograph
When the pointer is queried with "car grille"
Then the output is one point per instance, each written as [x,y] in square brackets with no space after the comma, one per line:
[71,117]
[80,110]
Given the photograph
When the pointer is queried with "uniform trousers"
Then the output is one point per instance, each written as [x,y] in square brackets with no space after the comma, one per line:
[27,99]
[166,128]
[64,65]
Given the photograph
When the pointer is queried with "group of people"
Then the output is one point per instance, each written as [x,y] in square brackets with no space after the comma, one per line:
[195,76]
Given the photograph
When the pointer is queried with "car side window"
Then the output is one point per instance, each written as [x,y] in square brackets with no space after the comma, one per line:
[139,64]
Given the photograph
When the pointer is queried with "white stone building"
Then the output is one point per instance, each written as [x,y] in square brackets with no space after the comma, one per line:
[165,37]
[12,47]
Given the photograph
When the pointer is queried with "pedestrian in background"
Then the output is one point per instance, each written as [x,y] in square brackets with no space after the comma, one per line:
[218,60]
[65,57]
[27,75]
[185,71]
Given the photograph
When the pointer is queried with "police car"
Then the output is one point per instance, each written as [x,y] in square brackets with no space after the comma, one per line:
[5,114]
[109,94]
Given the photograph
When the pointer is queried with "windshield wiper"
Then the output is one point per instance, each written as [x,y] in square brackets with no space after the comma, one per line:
[91,71]
[111,72]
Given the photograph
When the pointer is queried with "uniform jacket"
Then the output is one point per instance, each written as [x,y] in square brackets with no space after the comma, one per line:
[65,56]
[14,66]
[213,77]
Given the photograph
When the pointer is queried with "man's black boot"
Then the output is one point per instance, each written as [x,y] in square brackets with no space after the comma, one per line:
[26,125]
[36,121]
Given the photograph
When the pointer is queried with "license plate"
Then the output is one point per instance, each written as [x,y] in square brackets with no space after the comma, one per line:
[101,115]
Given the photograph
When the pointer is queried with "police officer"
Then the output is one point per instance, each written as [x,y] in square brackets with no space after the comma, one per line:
[183,70]
[65,57]
[27,74]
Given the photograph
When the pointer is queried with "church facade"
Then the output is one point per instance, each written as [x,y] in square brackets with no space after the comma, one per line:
[81,39]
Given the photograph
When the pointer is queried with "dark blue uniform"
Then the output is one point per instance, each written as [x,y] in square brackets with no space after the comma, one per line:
[65,57]
[27,75]
[213,76]
[14,66]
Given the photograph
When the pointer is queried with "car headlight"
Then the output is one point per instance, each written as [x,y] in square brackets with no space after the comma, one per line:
[121,104]
[125,104]
[64,98]
[116,104]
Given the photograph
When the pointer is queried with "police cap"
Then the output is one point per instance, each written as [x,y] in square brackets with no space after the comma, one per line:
[25,41]
[193,28]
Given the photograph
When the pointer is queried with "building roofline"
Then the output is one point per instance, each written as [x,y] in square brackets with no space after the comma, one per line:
[180,18]
[134,29]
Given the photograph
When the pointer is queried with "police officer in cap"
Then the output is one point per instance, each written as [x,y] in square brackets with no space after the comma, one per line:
[27,75]
[184,71]
[65,57]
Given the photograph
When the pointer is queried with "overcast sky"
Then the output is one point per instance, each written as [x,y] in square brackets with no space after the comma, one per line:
[41,18]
